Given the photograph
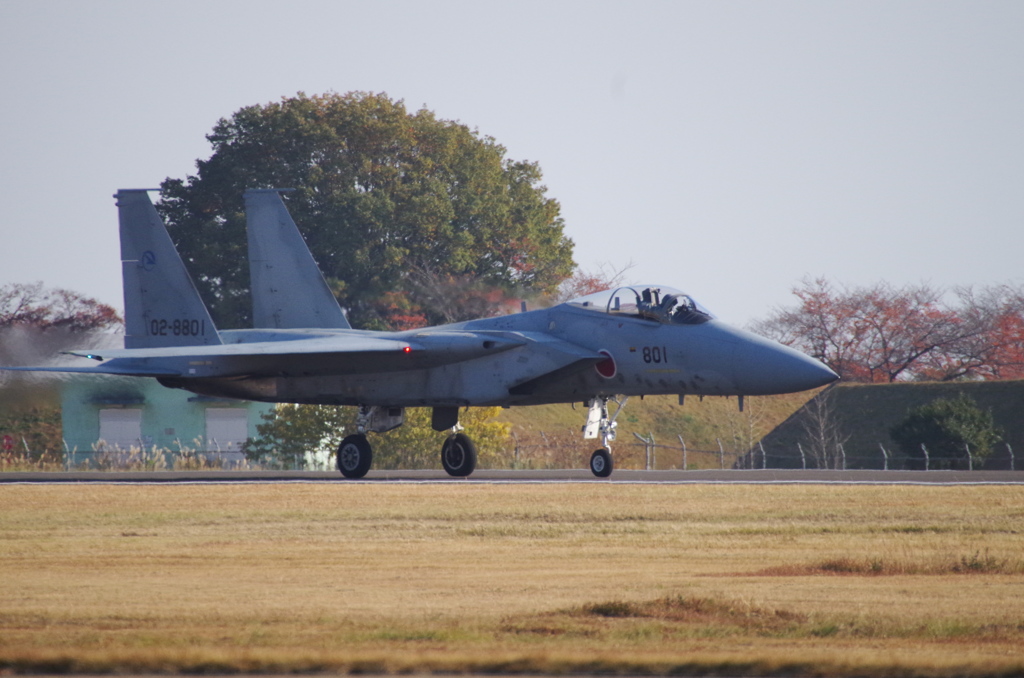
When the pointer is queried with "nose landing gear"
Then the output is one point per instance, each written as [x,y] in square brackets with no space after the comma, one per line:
[601,463]
[600,425]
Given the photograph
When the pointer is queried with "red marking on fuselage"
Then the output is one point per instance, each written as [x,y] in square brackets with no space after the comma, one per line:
[606,368]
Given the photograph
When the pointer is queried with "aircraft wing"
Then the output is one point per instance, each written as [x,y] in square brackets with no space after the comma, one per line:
[329,354]
[123,370]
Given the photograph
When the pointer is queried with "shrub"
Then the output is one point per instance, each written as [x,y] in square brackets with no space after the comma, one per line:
[948,427]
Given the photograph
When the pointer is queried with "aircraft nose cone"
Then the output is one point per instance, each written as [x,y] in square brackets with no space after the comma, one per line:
[794,371]
[763,367]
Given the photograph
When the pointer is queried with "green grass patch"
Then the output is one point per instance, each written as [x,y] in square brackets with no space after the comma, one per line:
[974,563]
[676,618]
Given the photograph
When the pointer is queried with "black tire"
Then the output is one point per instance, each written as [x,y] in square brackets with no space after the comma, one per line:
[458,455]
[601,463]
[355,456]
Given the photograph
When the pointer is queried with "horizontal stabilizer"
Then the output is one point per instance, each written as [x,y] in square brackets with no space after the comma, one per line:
[127,371]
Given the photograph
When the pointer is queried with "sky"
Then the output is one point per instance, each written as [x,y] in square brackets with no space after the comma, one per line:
[728,149]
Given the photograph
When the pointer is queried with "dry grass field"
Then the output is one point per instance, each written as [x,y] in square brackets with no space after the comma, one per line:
[554,578]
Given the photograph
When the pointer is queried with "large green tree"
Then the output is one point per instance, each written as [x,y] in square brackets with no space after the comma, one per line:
[385,199]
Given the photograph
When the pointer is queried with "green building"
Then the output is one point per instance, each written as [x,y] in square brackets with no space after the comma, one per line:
[102,414]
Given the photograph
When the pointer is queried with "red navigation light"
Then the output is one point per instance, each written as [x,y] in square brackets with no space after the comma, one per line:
[407,349]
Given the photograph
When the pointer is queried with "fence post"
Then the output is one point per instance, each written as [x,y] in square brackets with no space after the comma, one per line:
[803,458]
[764,457]
[927,463]
[683,443]
[885,456]
[654,452]
[721,454]
[647,449]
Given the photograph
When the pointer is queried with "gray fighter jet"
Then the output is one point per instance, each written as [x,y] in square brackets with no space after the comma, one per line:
[634,340]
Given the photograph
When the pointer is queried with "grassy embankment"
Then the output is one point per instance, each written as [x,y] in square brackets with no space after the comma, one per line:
[546,436]
[549,435]
[811,580]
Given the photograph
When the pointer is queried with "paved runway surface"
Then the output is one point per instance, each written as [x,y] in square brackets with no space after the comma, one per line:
[769,476]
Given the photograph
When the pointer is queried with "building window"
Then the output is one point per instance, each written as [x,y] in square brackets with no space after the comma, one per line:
[226,429]
[121,428]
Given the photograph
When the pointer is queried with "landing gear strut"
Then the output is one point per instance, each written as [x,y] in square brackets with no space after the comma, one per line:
[355,455]
[458,453]
[600,425]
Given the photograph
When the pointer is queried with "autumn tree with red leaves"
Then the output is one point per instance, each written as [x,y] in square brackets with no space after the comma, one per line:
[448,298]
[36,323]
[30,305]
[993,348]
[883,333]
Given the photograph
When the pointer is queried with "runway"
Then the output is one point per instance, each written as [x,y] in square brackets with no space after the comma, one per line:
[676,477]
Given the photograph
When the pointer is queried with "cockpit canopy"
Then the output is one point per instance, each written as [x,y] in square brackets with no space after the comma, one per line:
[649,302]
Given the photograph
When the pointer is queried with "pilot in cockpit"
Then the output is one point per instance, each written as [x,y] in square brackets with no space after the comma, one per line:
[649,306]
[685,310]
[659,304]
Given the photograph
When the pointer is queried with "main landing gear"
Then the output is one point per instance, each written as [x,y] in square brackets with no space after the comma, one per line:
[458,455]
[355,455]
[600,425]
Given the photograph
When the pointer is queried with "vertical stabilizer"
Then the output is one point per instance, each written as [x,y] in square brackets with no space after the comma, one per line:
[288,289]
[161,305]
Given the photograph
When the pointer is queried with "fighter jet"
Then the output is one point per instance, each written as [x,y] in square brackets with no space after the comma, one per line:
[599,349]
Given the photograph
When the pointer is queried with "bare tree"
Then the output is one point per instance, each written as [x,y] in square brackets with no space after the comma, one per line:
[740,430]
[583,281]
[822,430]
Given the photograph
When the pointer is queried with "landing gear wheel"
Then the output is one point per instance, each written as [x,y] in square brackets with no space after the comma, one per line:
[601,463]
[354,456]
[458,455]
